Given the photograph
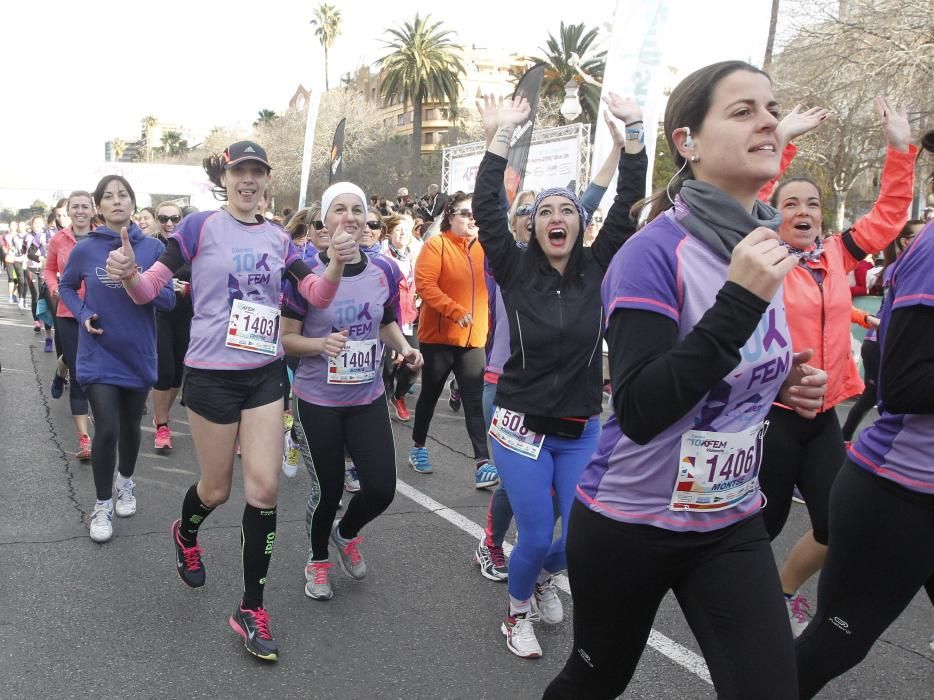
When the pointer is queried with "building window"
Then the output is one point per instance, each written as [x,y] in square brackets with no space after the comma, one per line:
[431,114]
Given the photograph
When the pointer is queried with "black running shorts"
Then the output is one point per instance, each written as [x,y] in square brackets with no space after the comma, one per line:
[219,394]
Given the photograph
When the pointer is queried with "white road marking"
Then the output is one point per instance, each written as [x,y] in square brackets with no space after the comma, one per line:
[680,655]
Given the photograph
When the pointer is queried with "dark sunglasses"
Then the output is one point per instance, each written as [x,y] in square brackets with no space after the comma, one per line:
[318,225]
[524,210]
[466,213]
[373,225]
[163,219]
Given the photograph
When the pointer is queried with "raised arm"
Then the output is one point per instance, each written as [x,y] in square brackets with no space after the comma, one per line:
[794,124]
[872,232]
[500,119]
[618,225]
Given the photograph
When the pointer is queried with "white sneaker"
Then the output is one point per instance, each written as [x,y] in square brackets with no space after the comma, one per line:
[125,503]
[546,602]
[520,635]
[351,480]
[101,526]
[290,457]
[799,613]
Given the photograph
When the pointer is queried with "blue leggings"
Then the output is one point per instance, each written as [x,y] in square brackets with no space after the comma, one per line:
[529,484]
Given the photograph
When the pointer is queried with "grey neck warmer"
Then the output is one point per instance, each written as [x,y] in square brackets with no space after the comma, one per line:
[719,220]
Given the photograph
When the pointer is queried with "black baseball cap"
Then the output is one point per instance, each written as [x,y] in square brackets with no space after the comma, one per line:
[243,151]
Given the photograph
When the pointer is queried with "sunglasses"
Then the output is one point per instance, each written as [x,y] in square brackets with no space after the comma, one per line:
[524,210]
[163,219]
[318,225]
[466,213]
[373,225]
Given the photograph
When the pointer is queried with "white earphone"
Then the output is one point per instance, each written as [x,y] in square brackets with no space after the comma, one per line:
[688,139]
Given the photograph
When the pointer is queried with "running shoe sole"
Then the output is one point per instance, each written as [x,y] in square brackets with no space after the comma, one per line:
[235,626]
[517,652]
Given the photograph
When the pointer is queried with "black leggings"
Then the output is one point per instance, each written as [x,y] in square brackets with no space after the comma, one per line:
[725,582]
[117,412]
[173,331]
[67,331]
[33,282]
[880,556]
[468,365]
[871,355]
[802,451]
[398,379]
[323,432]
[20,280]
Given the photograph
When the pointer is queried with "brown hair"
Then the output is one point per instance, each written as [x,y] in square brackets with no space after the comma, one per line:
[687,107]
[773,200]
[450,206]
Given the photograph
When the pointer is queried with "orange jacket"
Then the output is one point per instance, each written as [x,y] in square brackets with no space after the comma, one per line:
[450,281]
[819,314]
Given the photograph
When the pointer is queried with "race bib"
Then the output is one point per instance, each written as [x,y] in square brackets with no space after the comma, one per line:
[253,327]
[717,470]
[355,365]
[508,430]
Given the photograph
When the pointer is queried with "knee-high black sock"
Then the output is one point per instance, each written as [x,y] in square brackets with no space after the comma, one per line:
[257,537]
[193,514]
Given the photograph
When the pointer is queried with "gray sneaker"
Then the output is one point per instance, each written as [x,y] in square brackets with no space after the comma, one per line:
[348,553]
[125,502]
[102,528]
[317,582]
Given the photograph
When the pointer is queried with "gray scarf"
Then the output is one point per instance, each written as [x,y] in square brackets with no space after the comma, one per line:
[717,219]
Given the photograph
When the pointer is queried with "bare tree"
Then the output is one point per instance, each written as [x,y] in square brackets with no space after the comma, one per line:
[840,56]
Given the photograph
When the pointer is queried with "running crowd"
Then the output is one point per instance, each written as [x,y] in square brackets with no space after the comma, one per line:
[725,309]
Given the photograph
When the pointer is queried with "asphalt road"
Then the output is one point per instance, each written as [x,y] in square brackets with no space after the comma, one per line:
[81,619]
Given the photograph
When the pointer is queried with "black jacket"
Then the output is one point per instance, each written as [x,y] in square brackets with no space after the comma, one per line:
[556,322]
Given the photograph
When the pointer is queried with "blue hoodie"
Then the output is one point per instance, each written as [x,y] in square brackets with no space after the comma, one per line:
[125,354]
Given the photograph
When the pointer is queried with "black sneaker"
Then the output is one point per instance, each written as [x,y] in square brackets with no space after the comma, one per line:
[253,626]
[454,396]
[187,560]
[58,386]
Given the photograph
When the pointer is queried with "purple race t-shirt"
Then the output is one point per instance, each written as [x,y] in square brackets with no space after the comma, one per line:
[664,269]
[357,308]
[497,345]
[900,447]
[230,260]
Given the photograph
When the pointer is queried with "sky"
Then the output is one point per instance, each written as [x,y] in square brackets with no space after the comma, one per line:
[76,74]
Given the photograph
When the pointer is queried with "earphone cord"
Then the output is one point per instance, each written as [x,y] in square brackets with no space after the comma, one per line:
[668,186]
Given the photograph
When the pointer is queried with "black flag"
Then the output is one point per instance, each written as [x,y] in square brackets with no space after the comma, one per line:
[337,154]
[528,88]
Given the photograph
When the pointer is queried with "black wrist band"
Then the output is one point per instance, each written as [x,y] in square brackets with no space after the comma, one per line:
[638,121]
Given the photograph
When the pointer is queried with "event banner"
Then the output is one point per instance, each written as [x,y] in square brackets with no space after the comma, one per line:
[634,68]
[552,164]
[517,159]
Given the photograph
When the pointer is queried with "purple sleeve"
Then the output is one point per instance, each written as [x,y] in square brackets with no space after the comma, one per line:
[293,301]
[188,233]
[644,275]
[914,274]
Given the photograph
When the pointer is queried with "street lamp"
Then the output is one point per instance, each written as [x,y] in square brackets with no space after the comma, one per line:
[571,107]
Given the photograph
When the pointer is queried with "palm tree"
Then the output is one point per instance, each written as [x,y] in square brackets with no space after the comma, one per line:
[573,47]
[327,24]
[173,144]
[770,43]
[423,64]
[149,123]
[265,117]
[117,148]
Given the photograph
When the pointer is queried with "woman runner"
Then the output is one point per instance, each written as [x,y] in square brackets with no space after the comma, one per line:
[234,384]
[698,348]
